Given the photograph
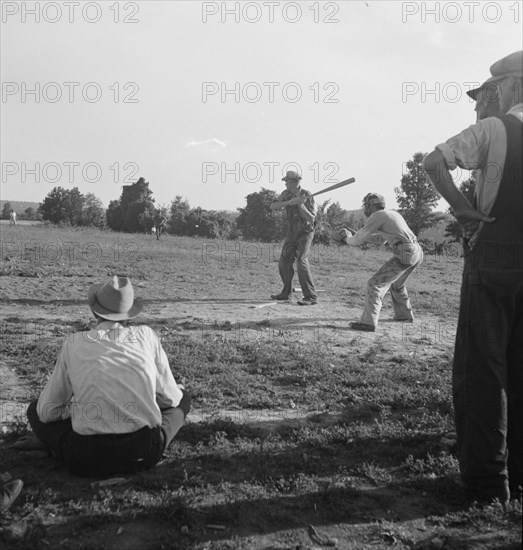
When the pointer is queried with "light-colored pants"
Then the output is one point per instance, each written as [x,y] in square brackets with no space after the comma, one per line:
[393,274]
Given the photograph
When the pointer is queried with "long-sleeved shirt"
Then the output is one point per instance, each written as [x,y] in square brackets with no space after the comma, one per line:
[111,379]
[481,147]
[295,214]
[388,224]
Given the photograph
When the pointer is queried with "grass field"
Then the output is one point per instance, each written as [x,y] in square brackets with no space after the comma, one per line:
[303,433]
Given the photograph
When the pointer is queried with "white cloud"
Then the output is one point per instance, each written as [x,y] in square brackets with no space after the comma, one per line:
[221,144]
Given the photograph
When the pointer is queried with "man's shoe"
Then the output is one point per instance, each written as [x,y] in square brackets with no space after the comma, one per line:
[10,492]
[281,297]
[362,326]
[28,442]
[308,301]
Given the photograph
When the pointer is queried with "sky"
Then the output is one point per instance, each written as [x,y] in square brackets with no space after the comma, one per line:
[214,100]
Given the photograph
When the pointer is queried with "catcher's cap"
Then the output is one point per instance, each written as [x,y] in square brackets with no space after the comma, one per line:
[374,198]
[291,175]
[510,65]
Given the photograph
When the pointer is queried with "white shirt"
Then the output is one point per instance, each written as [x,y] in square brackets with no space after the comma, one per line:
[387,223]
[481,147]
[111,379]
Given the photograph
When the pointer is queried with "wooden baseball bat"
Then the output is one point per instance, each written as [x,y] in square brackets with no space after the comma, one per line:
[335,186]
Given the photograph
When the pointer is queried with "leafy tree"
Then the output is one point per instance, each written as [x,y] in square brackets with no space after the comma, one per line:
[225,225]
[62,206]
[114,215]
[323,222]
[199,223]
[133,210]
[93,213]
[74,206]
[211,224]
[177,222]
[453,228]
[137,204]
[186,221]
[336,215]
[330,218]
[416,196]
[356,220]
[69,206]
[5,210]
[145,216]
[257,221]
[30,213]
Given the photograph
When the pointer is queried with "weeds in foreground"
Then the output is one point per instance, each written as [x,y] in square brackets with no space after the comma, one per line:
[284,434]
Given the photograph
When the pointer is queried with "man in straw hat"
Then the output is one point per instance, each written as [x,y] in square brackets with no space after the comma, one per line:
[487,375]
[300,210]
[111,404]
[407,255]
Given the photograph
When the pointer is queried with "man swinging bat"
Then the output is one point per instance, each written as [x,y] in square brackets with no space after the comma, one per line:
[300,210]
[301,213]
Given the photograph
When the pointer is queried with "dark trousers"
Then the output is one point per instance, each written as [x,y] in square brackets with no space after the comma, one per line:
[296,249]
[488,380]
[107,454]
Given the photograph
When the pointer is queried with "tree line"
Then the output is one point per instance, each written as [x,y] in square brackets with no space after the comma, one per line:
[28,214]
[135,211]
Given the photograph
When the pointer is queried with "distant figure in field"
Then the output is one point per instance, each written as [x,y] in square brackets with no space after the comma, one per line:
[159,224]
[12,217]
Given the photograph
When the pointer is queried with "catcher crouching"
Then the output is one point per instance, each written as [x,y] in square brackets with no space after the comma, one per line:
[407,255]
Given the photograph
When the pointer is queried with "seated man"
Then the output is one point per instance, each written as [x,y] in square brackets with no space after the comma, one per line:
[111,404]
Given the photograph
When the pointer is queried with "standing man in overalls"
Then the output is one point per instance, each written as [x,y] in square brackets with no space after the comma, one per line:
[300,210]
[488,357]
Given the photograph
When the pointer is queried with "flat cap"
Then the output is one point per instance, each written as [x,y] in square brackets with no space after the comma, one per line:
[509,65]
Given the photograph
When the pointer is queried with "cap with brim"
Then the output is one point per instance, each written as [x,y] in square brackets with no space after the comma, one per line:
[374,198]
[114,300]
[510,65]
[485,86]
[291,176]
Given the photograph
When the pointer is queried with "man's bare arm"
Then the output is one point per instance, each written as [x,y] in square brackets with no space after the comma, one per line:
[439,175]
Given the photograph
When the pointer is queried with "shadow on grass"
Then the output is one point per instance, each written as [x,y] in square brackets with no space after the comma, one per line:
[253,479]
[256,516]
[234,453]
